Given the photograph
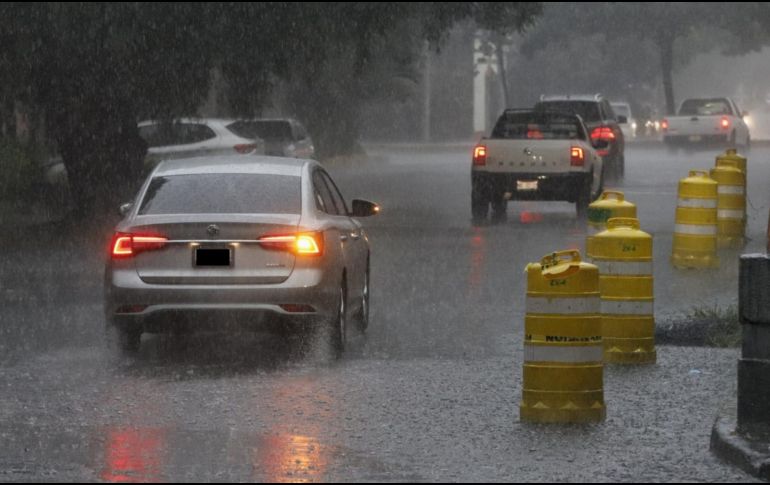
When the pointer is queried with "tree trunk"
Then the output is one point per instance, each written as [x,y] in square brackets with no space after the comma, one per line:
[104,157]
[499,43]
[666,46]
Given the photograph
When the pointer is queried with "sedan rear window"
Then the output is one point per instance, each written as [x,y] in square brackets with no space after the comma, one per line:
[223,194]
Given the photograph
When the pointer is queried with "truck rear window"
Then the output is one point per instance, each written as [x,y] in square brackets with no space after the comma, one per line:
[531,125]
[588,110]
[705,107]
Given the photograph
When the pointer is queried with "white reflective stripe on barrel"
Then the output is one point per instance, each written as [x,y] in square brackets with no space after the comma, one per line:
[563,354]
[732,190]
[698,203]
[624,268]
[615,307]
[706,230]
[564,306]
[731,214]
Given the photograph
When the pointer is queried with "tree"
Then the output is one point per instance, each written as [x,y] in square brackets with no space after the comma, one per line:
[677,30]
[95,68]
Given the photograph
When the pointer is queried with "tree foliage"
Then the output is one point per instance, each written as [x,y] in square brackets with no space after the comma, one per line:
[95,68]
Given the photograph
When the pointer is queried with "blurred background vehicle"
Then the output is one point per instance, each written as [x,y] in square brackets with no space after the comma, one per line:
[707,121]
[599,118]
[283,137]
[190,137]
[625,119]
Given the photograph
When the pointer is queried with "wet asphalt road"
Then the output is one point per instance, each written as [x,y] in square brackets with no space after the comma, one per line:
[431,394]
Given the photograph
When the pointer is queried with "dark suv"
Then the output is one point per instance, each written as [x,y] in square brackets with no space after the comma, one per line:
[601,122]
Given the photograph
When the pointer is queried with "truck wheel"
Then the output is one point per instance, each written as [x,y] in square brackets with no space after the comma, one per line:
[621,167]
[583,201]
[479,200]
[499,206]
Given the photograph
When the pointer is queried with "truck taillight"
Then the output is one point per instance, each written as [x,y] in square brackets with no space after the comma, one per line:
[245,149]
[126,246]
[577,157]
[725,123]
[480,156]
[664,125]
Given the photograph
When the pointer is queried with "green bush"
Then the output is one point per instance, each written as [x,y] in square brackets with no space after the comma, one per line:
[19,171]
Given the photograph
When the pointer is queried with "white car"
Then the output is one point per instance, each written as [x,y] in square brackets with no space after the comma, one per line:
[625,119]
[284,137]
[190,137]
[707,121]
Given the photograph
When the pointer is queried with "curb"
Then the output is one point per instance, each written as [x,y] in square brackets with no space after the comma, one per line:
[728,445]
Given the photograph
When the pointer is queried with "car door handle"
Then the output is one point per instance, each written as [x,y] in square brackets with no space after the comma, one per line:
[344,237]
[355,235]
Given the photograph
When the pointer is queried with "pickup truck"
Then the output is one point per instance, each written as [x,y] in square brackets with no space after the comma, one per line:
[535,155]
[707,121]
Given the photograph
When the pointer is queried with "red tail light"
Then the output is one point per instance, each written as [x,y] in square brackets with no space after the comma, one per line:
[245,149]
[535,135]
[306,244]
[664,125]
[129,245]
[577,157]
[603,133]
[725,123]
[480,156]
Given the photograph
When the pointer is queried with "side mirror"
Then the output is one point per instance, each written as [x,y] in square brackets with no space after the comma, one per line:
[363,208]
[125,209]
[600,144]
[622,120]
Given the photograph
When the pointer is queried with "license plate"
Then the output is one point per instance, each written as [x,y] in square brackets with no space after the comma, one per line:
[525,185]
[695,138]
[213,257]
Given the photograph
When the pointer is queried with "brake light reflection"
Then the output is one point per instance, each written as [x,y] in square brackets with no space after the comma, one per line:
[133,456]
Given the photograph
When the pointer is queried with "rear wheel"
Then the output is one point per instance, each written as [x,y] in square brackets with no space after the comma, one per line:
[499,206]
[480,198]
[584,200]
[336,331]
[363,315]
[122,340]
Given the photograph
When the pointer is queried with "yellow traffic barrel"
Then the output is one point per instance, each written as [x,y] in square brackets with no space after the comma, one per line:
[695,236]
[731,204]
[732,155]
[623,254]
[563,353]
[610,204]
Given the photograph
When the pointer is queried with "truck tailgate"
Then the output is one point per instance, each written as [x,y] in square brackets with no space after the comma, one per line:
[695,125]
[529,156]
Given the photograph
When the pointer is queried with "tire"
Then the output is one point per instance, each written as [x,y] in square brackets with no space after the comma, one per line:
[363,314]
[583,201]
[123,341]
[621,167]
[480,198]
[733,140]
[499,207]
[595,197]
[336,331]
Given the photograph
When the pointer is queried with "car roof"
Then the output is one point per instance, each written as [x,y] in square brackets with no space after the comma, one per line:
[572,97]
[233,164]
[217,121]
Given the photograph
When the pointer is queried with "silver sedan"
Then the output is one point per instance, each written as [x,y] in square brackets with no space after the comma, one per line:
[229,241]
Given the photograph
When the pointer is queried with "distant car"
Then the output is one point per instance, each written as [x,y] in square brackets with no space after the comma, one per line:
[191,137]
[535,155]
[283,137]
[598,116]
[254,243]
[625,119]
[707,121]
